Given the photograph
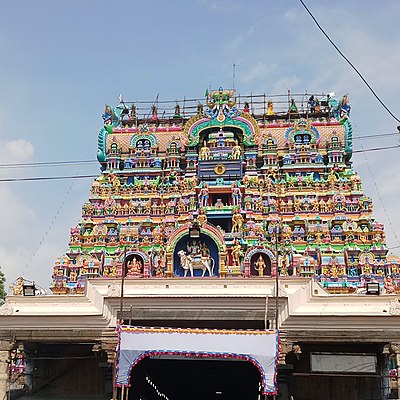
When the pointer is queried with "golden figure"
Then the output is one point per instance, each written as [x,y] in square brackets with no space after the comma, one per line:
[236,151]
[202,218]
[18,287]
[204,153]
[237,222]
[236,253]
[260,266]
[270,108]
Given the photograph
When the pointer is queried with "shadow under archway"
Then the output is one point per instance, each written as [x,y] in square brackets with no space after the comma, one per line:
[195,379]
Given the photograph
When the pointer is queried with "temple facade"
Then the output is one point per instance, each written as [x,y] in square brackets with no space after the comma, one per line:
[222,216]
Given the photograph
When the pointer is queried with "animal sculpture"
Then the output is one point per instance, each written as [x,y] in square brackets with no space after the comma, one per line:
[190,263]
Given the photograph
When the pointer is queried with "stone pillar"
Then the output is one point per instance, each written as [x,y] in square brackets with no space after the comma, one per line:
[5,348]
[169,272]
[222,264]
[108,344]
[394,349]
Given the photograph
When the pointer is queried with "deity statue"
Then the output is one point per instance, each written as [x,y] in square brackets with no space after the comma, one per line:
[202,218]
[204,195]
[270,108]
[292,107]
[204,153]
[389,285]
[236,253]
[134,266]
[236,194]
[221,139]
[237,222]
[18,287]
[260,266]
[219,204]
[177,113]
[236,151]
[154,115]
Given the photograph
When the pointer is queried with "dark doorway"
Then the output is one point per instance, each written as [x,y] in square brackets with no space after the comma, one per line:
[220,220]
[182,379]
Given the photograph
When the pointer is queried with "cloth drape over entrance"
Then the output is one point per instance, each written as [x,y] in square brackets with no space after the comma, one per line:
[258,347]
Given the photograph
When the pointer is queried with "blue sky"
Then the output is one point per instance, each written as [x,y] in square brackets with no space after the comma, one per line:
[61,61]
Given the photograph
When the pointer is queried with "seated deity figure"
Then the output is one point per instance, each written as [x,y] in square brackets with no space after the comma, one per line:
[389,285]
[193,247]
[18,287]
[134,266]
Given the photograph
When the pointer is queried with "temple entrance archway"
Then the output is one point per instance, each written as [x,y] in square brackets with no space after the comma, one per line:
[195,379]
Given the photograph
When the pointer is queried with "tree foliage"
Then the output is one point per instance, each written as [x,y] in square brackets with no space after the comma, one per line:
[3,291]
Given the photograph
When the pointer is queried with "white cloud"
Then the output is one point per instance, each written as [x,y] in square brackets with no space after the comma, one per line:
[16,150]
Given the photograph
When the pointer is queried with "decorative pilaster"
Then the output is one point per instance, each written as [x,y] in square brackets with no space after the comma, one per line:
[5,348]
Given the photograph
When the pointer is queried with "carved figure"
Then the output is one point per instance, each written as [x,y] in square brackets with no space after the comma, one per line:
[237,222]
[389,285]
[236,194]
[236,253]
[270,108]
[204,153]
[18,287]
[260,266]
[190,263]
[236,152]
[203,196]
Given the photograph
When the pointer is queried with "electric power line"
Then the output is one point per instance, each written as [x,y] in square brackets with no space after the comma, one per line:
[48,164]
[349,62]
[47,178]
[44,178]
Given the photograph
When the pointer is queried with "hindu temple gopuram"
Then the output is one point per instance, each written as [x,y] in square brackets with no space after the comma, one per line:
[225,187]
[226,251]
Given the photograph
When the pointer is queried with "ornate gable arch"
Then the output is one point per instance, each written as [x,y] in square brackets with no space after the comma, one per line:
[148,136]
[245,122]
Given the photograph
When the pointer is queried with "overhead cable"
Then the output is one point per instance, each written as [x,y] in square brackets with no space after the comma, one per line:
[349,62]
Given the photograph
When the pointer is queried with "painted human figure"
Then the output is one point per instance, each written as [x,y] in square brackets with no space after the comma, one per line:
[203,196]
[221,139]
[202,218]
[17,288]
[237,222]
[236,151]
[204,153]
[236,253]
[389,285]
[236,194]
[270,108]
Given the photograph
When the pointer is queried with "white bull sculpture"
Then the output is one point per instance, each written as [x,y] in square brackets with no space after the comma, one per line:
[190,263]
